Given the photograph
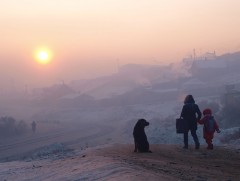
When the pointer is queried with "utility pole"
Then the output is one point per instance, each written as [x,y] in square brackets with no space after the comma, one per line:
[194,54]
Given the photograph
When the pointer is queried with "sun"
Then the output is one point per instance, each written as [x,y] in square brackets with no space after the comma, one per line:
[43,56]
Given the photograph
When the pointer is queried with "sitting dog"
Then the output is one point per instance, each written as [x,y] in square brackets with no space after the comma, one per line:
[140,138]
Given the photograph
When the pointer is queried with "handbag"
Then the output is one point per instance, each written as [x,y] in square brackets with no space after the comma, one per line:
[181,125]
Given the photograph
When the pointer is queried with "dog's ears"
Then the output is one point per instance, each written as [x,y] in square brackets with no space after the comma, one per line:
[142,123]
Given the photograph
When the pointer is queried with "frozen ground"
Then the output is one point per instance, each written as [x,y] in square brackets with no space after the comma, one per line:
[119,162]
[96,144]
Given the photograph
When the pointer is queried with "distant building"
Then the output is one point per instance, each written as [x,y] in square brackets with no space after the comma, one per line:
[232,95]
[208,67]
[209,56]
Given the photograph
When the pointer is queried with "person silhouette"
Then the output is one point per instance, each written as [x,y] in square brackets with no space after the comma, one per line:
[34,125]
[210,125]
[189,111]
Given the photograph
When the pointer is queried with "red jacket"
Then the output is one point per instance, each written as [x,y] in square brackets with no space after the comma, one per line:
[205,120]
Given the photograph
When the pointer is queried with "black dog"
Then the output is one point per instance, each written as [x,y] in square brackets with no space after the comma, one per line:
[140,138]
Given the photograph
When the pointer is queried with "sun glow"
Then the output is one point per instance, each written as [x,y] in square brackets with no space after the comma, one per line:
[43,56]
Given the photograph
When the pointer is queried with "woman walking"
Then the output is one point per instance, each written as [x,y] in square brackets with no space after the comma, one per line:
[191,113]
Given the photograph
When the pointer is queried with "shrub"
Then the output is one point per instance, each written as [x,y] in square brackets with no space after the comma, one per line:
[10,127]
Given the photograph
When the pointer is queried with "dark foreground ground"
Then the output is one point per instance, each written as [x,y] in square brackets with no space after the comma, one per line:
[119,162]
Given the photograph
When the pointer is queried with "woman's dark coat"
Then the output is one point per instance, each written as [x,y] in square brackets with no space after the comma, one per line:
[189,112]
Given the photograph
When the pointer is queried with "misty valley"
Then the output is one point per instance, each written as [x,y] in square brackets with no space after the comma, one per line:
[83,114]
[104,110]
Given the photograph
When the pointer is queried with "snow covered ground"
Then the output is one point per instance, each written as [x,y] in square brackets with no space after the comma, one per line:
[81,145]
[119,162]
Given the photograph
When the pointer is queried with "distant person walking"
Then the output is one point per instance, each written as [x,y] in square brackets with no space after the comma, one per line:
[209,127]
[34,125]
[191,113]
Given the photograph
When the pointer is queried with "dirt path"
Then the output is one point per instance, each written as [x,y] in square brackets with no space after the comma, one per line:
[175,163]
[72,137]
[119,162]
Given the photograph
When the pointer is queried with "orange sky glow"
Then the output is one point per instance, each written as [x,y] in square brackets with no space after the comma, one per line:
[87,37]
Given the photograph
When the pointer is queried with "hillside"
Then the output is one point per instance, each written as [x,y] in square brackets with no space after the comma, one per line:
[79,125]
[119,162]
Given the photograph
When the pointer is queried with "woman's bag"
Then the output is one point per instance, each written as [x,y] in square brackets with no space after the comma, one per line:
[181,125]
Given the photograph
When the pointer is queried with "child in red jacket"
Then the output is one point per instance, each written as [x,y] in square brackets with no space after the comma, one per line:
[210,126]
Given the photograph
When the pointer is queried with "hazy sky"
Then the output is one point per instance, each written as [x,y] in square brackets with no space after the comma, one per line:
[87,37]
